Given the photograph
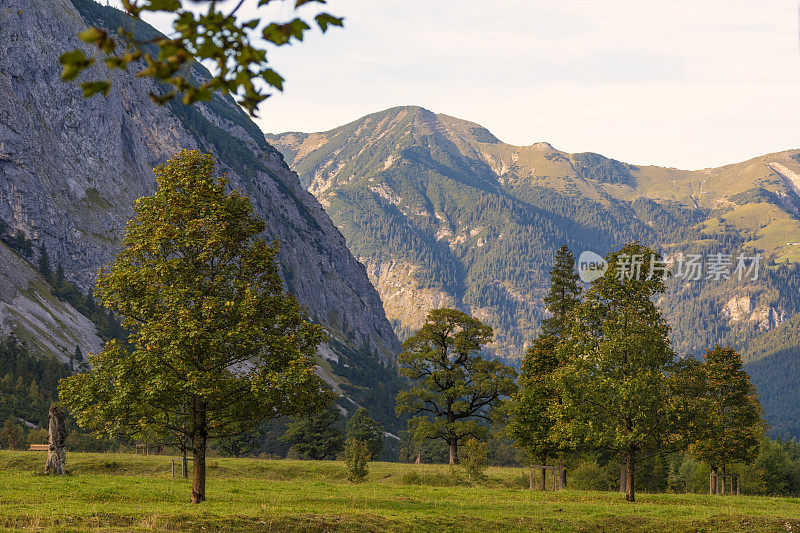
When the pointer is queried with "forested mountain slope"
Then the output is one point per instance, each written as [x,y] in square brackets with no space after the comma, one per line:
[29,309]
[443,213]
[72,167]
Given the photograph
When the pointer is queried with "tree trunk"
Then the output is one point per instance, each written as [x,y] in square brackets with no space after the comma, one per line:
[630,493]
[199,457]
[544,479]
[722,481]
[712,484]
[623,478]
[57,438]
[453,451]
[563,473]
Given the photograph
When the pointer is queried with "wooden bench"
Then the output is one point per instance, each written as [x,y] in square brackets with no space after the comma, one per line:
[39,447]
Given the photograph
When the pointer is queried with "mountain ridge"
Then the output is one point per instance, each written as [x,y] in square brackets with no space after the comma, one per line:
[442,212]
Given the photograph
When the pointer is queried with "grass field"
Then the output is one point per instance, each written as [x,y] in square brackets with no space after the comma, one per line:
[126,492]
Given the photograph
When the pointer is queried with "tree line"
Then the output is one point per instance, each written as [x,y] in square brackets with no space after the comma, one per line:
[601,377]
[215,348]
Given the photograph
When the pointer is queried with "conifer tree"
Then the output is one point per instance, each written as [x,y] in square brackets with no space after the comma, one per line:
[531,424]
[565,293]
[44,264]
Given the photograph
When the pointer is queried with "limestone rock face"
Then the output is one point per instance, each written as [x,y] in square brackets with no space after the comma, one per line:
[44,323]
[745,308]
[74,166]
[403,299]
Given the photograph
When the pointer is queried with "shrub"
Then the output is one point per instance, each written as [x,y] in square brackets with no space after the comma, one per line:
[588,475]
[476,456]
[410,478]
[356,457]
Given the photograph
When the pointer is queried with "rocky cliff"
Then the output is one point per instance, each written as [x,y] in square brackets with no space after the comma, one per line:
[70,169]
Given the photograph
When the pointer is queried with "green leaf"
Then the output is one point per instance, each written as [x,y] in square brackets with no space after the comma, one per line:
[162,5]
[324,20]
[74,63]
[273,78]
[90,88]
[281,34]
[92,35]
[162,99]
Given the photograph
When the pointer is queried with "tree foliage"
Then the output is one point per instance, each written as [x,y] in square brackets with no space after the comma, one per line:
[363,428]
[453,388]
[531,423]
[731,412]
[356,457]
[315,436]
[29,383]
[565,294]
[617,394]
[11,434]
[234,47]
[216,344]
[476,458]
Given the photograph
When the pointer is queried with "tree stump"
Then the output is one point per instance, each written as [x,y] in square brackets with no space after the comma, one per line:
[57,438]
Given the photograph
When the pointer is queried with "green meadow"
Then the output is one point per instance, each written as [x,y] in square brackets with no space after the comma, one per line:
[121,492]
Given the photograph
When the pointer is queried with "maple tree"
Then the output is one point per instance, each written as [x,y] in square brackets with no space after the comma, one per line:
[216,345]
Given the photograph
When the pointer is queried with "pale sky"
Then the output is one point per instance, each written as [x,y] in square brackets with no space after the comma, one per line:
[685,83]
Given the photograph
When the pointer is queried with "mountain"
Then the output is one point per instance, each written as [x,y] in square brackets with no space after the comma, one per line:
[441,212]
[28,307]
[70,169]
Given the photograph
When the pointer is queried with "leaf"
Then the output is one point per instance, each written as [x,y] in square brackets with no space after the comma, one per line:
[90,88]
[162,5]
[92,35]
[273,78]
[281,34]
[324,20]
[74,63]
[162,99]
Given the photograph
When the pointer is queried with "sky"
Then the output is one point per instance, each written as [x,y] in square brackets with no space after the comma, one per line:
[686,83]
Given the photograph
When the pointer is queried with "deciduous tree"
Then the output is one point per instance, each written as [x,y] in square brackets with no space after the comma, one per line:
[217,345]
[12,434]
[363,428]
[315,436]
[531,423]
[453,389]
[732,413]
[356,457]
[617,393]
